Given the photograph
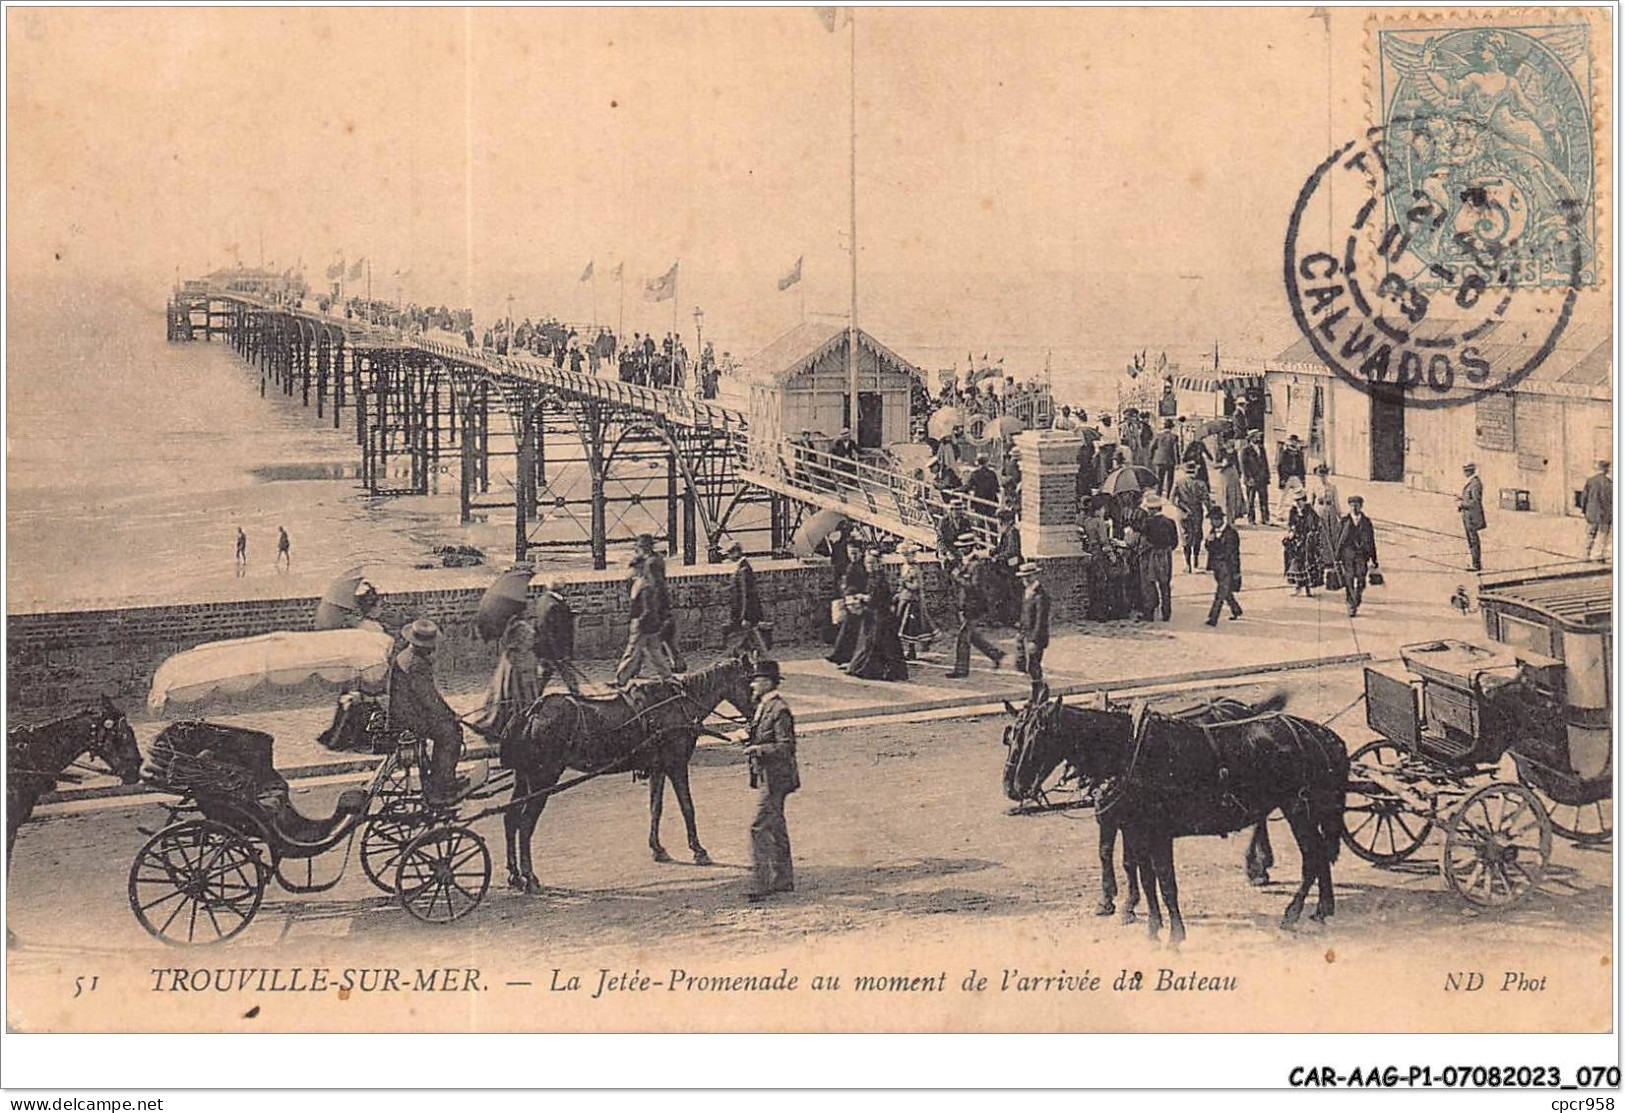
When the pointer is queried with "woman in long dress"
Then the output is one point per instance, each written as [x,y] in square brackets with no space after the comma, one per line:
[879,652]
[854,586]
[513,686]
[1327,505]
[1304,537]
[1231,495]
[914,624]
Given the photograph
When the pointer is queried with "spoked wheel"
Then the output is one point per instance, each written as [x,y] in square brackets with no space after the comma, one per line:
[384,838]
[1497,846]
[1376,824]
[443,874]
[1590,824]
[401,783]
[196,883]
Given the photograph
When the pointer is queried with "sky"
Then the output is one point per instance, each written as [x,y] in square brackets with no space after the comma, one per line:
[1096,178]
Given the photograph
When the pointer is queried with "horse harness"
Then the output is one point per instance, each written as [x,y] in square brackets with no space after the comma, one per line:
[37,739]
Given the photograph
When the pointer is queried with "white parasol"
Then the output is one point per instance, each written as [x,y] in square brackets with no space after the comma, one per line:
[282,659]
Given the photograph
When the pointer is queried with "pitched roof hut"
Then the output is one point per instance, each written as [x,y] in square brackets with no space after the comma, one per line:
[798,385]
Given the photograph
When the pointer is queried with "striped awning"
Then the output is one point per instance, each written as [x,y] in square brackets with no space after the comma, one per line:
[1217,381]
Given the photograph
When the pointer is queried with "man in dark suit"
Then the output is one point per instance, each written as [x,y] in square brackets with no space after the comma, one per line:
[415,704]
[555,639]
[774,775]
[983,484]
[1255,473]
[844,458]
[1224,561]
[1289,462]
[1471,504]
[1034,628]
[971,579]
[744,604]
[1165,457]
[1356,552]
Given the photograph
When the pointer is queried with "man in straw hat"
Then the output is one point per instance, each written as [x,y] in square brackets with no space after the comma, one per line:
[1471,505]
[971,578]
[416,705]
[744,604]
[774,775]
[1159,537]
[1034,636]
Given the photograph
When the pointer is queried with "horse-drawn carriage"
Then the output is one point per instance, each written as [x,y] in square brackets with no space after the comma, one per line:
[1451,712]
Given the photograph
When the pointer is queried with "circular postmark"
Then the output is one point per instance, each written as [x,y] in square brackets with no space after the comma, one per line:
[1422,289]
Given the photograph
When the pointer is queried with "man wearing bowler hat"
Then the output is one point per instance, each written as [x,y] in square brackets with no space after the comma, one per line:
[1356,552]
[1471,504]
[415,704]
[774,775]
[744,604]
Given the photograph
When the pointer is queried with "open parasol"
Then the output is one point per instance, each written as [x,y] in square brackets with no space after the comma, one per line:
[338,609]
[944,420]
[1133,477]
[508,596]
[1214,427]
[814,530]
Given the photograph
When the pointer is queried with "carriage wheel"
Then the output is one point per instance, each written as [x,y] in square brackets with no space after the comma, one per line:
[1583,824]
[443,874]
[384,838]
[1376,824]
[1497,846]
[196,883]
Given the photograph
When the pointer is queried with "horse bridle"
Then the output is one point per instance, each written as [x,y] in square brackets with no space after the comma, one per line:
[101,731]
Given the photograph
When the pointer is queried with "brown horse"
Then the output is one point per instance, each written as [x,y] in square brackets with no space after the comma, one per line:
[1033,755]
[650,728]
[1167,778]
[38,757]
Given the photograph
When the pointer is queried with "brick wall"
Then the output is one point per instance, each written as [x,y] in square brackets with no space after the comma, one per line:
[56,661]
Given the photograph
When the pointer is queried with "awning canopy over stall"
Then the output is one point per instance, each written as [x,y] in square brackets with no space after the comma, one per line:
[803,347]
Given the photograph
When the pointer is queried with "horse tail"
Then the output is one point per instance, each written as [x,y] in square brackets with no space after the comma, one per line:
[1330,819]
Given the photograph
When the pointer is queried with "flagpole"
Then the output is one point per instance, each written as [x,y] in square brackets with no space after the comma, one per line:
[674,276]
[369,280]
[852,325]
[620,317]
[595,299]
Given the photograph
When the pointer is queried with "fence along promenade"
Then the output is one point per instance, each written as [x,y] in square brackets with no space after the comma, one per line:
[878,494]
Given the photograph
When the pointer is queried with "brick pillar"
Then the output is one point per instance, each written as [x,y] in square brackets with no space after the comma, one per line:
[1049,518]
[1049,494]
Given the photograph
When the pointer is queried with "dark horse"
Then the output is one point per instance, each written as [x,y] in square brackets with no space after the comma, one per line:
[651,728]
[37,758]
[1168,777]
[1033,755]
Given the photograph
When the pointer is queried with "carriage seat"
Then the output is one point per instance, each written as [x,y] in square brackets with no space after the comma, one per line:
[296,827]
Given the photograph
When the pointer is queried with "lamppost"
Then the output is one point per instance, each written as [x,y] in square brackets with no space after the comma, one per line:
[699,335]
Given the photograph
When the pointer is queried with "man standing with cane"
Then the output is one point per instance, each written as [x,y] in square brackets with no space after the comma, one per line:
[774,775]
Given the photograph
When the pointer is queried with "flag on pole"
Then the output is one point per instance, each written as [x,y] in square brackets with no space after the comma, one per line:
[793,277]
[336,271]
[358,268]
[586,275]
[616,273]
[663,288]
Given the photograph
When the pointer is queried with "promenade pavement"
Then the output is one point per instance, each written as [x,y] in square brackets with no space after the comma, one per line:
[1277,631]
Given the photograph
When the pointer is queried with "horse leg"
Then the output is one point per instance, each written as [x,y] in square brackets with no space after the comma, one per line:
[1328,828]
[1260,855]
[1146,862]
[1131,869]
[657,800]
[512,825]
[531,816]
[1108,869]
[1164,858]
[685,801]
[1309,849]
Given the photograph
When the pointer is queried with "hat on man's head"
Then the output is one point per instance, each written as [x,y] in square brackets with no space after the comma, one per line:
[766,669]
[1255,434]
[1028,569]
[1292,436]
[966,541]
[1469,468]
[1190,467]
[646,541]
[423,633]
[981,457]
[1299,494]
[734,549]
[1152,501]
[1322,469]
[1356,500]
[908,548]
[1602,465]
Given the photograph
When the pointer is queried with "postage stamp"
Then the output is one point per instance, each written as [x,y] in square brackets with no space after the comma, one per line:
[1494,122]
